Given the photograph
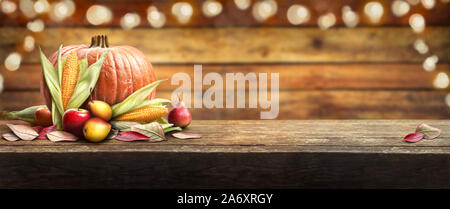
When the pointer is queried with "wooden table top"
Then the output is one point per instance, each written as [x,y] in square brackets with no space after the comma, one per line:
[240,154]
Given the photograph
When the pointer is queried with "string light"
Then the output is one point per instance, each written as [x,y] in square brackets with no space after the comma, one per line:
[61,10]
[242,4]
[156,18]
[428,4]
[429,64]
[349,17]
[28,43]
[211,8]
[8,7]
[441,81]
[374,10]
[130,20]
[264,9]
[182,11]
[421,46]
[326,21]
[12,61]
[298,14]
[36,25]
[400,8]
[98,14]
[41,6]
[417,23]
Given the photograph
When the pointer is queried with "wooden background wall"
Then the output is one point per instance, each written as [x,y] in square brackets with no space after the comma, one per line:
[370,72]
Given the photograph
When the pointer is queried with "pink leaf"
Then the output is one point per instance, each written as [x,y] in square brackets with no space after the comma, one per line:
[129,136]
[43,133]
[61,136]
[414,137]
[37,128]
[186,135]
[24,132]
[10,137]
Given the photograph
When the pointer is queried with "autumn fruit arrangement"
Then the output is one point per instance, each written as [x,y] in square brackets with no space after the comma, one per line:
[99,92]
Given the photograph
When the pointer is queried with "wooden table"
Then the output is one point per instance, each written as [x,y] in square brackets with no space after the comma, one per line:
[240,154]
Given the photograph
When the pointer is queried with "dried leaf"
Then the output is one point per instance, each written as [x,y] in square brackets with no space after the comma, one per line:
[10,137]
[430,132]
[24,132]
[61,136]
[123,125]
[186,135]
[112,134]
[129,136]
[43,133]
[414,137]
[153,130]
[38,128]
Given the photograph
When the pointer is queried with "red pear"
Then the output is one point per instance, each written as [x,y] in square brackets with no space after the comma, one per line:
[180,115]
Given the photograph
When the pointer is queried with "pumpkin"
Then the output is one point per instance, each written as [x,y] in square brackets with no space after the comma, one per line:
[124,70]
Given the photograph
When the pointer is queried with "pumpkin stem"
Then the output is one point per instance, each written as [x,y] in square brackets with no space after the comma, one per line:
[99,41]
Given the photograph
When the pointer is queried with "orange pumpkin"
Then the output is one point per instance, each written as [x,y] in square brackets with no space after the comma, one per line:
[124,70]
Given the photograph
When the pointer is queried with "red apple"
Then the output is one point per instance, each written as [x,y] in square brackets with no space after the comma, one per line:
[180,115]
[74,119]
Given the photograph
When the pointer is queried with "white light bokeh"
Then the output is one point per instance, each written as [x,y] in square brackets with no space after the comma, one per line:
[130,20]
[298,14]
[156,18]
[374,10]
[62,10]
[36,25]
[421,46]
[428,4]
[349,17]
[211,8]
[417,22]
[400,8]
[8,7]
[447,99]
[326,21]
[264,9]
[41,6]
[98,14]
[28,43]
[182,11]
[441,81]
[243,4]
[429,64]
[26,7]
[12,61]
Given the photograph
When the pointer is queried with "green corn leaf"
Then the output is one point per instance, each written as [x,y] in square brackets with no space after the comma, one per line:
[59,65]
[122,125]
[26,114]
[135,99]
[82,66]
[86,83]
[56,117]
[52,81]
[157,102]
[176,128]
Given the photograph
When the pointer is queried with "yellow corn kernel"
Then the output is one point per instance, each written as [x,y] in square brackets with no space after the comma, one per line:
[69,78]
[143,114]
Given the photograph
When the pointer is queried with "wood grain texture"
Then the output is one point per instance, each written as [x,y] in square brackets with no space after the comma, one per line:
[250,45]
[291,77]
[311,104]
[284,154]
[232,16]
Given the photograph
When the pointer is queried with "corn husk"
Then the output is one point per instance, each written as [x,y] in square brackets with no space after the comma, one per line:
[26,114]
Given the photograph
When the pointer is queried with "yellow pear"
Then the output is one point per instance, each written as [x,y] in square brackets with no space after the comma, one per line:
[96,129]
[100,109]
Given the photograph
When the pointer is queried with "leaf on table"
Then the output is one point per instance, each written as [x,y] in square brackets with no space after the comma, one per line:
[123,125]
[38,128]
[112,134]
[153,130]
[413,137]
[10,137]
[43,133]
[186,135]
[24,132]
[61,136]
[129,136]
[430,132]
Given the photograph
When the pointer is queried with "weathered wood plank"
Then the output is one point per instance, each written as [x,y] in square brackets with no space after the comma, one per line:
[250,45]
[232,16]
[349,160]
[315,104]
[292,77]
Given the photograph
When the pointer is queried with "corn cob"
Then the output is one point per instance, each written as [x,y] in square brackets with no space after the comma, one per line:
[143,114]
[69,78]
